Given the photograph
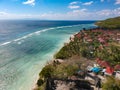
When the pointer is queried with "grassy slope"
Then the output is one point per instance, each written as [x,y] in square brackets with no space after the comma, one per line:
[112,23]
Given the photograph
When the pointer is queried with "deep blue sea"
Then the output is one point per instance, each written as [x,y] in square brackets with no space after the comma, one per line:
[26,46]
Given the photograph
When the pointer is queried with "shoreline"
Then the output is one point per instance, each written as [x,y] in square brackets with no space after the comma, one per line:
[67,40]
[91,41]
[73,36]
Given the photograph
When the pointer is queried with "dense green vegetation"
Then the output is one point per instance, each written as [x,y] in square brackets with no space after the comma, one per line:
[112,23]
[57,70]
[111,84]
[92,49]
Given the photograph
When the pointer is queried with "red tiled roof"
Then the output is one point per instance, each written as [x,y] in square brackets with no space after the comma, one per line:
[89,40]
[117,67]
[104,64]
[101,40]
[109,70]
[98,60]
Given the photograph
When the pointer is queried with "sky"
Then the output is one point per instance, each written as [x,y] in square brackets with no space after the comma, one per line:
[59,9]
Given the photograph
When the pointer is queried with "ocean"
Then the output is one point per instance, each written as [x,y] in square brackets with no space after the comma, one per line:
[27,45]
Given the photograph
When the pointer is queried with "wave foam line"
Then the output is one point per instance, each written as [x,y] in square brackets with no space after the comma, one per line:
[24,37]
[5,43]
[37,32]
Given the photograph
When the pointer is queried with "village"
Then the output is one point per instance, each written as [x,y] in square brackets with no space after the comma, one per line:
[88,62]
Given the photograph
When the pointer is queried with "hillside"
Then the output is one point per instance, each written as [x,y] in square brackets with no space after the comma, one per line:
[97,46]
[111,23]
[85,48]
[94,43]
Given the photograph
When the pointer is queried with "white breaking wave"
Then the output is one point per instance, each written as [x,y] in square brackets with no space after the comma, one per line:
[44,30]
[34,33]
[24,37]
[19,42]
[67,26]
[5,43]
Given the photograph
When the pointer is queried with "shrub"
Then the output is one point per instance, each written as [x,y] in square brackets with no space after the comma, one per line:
[63,53]
[40,82]
[65,70]
[111,84]
[47,71]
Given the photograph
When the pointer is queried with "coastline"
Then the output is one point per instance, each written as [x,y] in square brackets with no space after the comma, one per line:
[51,61]
[64,42]
[67,40]
[59,44]
[31,54]
[72,38]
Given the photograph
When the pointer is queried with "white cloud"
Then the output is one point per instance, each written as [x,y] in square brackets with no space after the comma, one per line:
[73,6]
[80,14]
[102,0]
[88,3]
[104,12]
[77,14]
[117,11]
[79,11]
[30,2]
[84,9]
[117,2]
[83,14]
[108,12]
[3,13]
[72,3]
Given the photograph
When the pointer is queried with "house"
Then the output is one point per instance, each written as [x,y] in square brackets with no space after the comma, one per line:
[72,38]
[101,40]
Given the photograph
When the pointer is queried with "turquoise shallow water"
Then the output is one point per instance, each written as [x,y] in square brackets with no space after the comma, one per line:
[22,59]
